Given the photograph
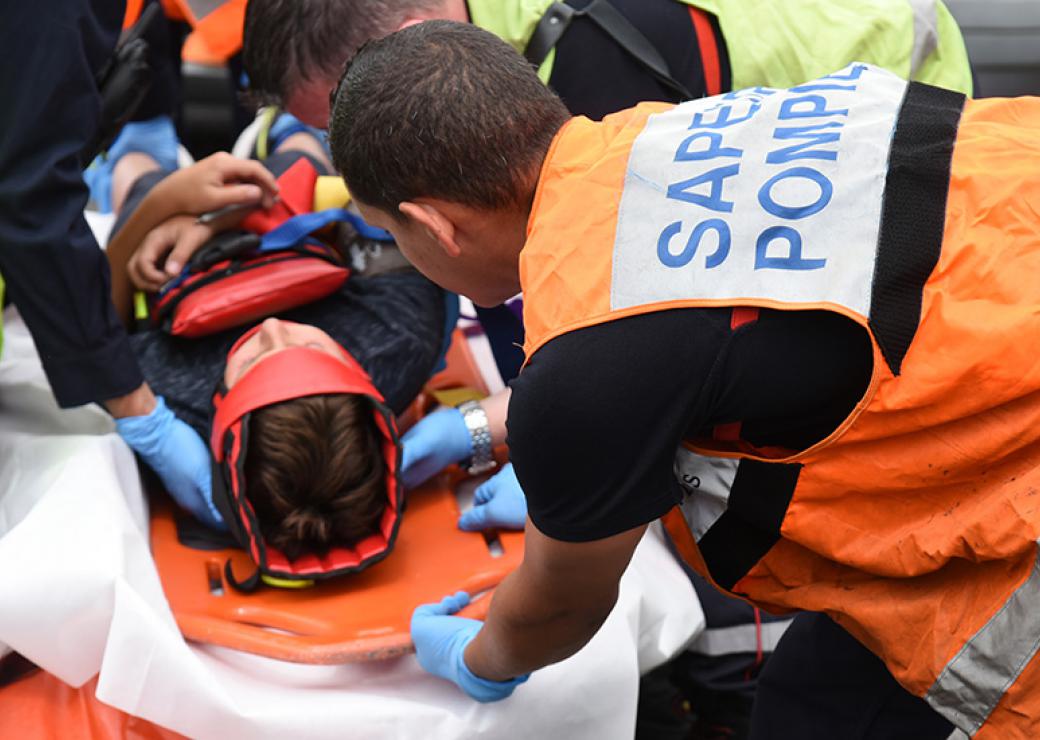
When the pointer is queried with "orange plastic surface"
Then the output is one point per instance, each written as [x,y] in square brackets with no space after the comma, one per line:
[40,706]
[461,368]
[355,618]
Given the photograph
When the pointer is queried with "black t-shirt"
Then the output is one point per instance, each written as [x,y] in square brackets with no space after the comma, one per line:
[597,415]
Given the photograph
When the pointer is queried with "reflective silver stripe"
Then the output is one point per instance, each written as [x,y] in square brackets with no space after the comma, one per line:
[957,735]
[970,686]
[201,8]
[706,482]
[926,33]
[741,638]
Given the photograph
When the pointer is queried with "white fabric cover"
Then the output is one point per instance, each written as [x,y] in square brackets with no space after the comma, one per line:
[80,595]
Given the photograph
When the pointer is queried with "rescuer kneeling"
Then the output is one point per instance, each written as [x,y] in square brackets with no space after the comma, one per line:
[876,461]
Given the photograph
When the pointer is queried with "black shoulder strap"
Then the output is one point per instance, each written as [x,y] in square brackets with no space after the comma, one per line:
[558,17]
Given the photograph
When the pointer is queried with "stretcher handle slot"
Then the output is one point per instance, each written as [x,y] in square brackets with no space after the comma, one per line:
[214,579]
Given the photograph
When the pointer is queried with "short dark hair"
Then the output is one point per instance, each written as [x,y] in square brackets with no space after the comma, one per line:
[285,42]
[315,473]
[441,109]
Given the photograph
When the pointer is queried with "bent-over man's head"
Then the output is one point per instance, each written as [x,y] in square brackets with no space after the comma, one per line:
[440,131]
[294,50]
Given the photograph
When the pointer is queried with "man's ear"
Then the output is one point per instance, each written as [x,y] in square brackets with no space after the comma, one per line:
[436,223]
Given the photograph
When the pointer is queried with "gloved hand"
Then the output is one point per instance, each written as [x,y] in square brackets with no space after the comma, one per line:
[438,440]
[498,503]
[155,137]
[440,641]
[180,457]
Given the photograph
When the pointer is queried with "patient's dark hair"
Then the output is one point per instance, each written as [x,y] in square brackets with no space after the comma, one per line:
[286,42]
[445,110]
[315,473]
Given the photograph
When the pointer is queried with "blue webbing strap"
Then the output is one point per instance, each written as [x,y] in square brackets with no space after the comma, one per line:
[293,230]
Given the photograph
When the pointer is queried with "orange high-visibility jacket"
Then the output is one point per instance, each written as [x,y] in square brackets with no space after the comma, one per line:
[914,214]
[216,26]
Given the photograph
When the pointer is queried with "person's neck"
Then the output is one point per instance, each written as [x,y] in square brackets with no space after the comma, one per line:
[450,10]
[502,234]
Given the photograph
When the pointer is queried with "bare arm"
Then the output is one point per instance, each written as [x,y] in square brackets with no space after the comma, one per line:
[496,406]
[552,605]
[215,182]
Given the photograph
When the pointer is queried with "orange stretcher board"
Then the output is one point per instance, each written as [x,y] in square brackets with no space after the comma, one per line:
[355,618]
[359,617]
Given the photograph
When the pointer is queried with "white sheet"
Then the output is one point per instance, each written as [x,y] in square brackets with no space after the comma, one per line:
[79,595]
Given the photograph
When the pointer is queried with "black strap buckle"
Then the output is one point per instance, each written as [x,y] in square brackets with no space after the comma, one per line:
[224,246]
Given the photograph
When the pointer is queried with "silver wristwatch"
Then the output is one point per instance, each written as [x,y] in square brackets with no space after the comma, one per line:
[476,421]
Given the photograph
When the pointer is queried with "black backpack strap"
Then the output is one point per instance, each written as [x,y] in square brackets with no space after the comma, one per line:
[558,17]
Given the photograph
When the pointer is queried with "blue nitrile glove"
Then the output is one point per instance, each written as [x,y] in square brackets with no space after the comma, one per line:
[155,137]
[440,641]
[180,457]
[498,503]
[437,441]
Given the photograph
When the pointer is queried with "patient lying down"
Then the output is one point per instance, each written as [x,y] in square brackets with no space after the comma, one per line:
[314,467]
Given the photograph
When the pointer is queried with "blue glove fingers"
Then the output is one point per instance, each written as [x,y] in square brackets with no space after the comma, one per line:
[486,490]
[440,645]
[178,455]
[475,520]
[409,457]
[438,440]
[447,605]
[210,515]
[455,602]
[500,504]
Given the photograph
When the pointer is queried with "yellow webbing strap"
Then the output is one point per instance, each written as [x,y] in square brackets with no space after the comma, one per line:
[455,396]
[140,306]
[285,582]
[266,121]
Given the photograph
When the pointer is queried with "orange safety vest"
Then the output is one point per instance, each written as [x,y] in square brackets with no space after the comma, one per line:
[915,524]
[216,34]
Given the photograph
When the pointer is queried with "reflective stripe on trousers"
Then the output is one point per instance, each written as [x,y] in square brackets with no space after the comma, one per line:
[926,33]
[972,684]
[740,638]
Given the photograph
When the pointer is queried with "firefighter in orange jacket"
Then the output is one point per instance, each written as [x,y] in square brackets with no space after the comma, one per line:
[810,318]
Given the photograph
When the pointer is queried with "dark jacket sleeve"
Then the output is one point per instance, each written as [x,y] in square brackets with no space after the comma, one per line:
[55,272]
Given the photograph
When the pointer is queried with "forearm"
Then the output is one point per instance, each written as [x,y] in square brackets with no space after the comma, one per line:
[496,406]
[161,203]
[139,402]
[527,630]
